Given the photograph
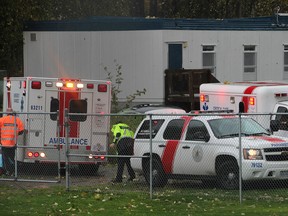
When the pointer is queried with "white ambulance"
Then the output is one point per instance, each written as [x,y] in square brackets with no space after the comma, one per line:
[259,97]
[45,133]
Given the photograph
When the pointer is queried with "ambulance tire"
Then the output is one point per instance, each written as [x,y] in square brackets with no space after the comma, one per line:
[228,175]
[159,178]
[89,169]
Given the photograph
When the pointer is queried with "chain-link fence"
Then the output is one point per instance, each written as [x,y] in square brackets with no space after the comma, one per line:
[240,154]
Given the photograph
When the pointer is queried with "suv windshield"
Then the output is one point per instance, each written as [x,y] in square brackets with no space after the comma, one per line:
[229,127]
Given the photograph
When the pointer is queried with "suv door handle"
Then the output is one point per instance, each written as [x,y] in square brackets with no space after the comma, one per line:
[162,145]
[186,147]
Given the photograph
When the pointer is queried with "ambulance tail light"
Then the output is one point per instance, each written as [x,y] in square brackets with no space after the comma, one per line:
[32,154]
[102,88]
[100,157]
[36,85]
[251,101]
[204,98]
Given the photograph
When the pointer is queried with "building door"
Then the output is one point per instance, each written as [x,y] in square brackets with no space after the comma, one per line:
[175,56]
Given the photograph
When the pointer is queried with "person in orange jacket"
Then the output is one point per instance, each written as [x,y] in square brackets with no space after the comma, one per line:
[11,126]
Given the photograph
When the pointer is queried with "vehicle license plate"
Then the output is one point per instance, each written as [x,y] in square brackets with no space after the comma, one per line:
[284,173]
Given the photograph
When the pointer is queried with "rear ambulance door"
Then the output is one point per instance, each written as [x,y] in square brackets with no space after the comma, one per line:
[75,101]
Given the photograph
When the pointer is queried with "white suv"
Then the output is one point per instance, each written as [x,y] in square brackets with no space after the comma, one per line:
[206,147]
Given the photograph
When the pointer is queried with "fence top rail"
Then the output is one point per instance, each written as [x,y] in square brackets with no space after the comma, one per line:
[194,113]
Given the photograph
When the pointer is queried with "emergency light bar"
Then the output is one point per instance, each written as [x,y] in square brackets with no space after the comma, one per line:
[69,85]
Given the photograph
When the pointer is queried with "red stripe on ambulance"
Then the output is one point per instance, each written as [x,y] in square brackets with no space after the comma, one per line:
[270,139]
[169,152]
[245,99]
[64,98]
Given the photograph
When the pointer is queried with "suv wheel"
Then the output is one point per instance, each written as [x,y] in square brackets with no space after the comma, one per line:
[159,178]
[228,175]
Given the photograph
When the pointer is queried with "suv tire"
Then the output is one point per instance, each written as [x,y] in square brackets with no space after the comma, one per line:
[159,178]
[228,175]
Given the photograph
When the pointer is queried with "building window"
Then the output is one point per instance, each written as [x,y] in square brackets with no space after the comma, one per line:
[209,58]
[285,75]
[250,63]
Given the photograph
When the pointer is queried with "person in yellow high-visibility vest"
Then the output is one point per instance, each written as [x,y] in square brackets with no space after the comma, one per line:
[11,126]
[124,141]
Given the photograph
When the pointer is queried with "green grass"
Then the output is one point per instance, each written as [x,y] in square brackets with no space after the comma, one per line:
[17,200]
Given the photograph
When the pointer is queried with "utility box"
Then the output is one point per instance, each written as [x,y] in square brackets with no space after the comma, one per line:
[182,87]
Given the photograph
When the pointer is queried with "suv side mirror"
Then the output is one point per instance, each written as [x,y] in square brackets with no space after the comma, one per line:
[206,137]
[274,125]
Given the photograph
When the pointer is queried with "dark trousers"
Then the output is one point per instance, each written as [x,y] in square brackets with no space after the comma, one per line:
[121,163]
[8,155]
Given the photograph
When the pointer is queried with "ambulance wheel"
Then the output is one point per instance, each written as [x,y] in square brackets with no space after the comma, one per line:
[228,175]
[89,169]
[159,178]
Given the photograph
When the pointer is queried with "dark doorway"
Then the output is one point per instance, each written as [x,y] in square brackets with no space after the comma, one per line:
[175,56]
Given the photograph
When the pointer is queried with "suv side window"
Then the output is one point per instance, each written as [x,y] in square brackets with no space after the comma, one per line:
[282,118]
[144,132]
[196,130]
[173,130]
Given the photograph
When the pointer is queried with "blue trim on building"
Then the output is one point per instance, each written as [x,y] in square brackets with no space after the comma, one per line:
[272,23]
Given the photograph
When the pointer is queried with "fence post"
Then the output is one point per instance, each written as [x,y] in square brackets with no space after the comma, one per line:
[58,146]
[67,150]
[16,146]
[150,156]
[240,158]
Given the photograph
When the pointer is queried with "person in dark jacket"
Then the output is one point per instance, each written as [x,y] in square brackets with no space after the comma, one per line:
[124,141]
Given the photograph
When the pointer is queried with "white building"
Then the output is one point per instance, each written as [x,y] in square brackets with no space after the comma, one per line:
[234,49]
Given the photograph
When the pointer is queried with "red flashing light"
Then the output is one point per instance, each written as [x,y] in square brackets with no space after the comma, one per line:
[36,154]
[102,157]
[251,100]
[24,84]
[202,98]
[30,154]
[90,86]
[102,88]
[36,85]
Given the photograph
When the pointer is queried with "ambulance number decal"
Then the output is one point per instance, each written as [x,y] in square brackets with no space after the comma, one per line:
[36,107]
